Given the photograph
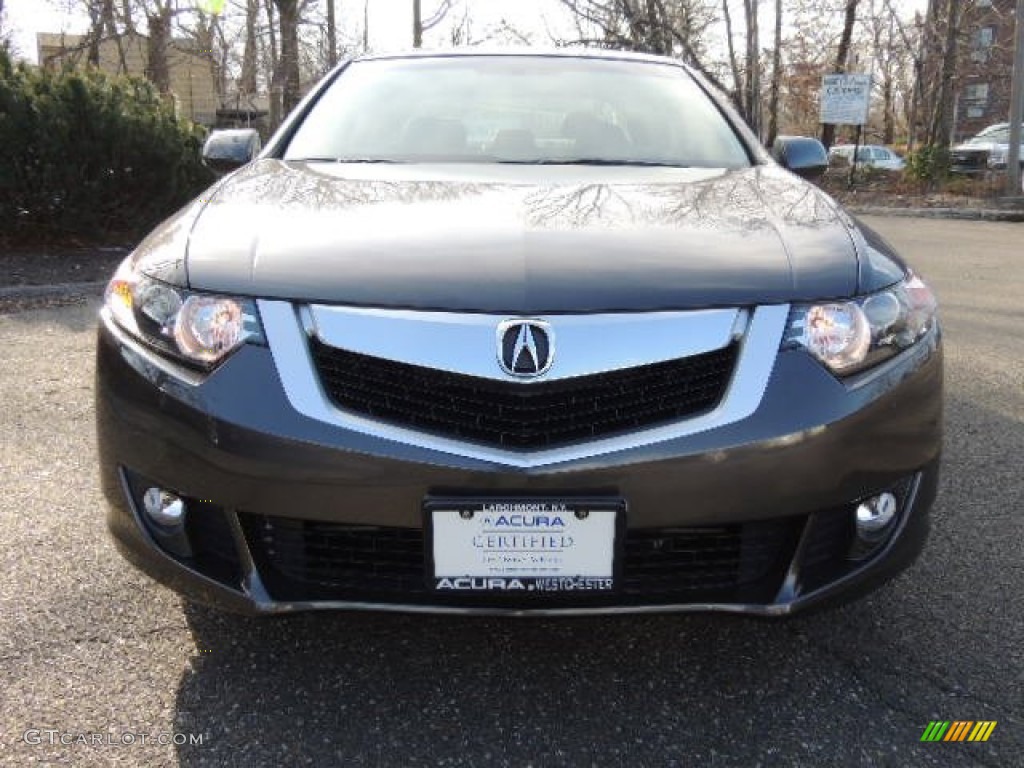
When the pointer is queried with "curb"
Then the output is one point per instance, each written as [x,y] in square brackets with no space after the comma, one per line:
[964,214]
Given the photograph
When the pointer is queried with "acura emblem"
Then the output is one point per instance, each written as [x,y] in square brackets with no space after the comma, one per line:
[525,347]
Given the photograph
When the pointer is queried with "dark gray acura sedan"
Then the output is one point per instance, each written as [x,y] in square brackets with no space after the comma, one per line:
[523,333]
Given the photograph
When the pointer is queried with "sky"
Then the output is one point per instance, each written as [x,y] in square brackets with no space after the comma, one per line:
[390,20]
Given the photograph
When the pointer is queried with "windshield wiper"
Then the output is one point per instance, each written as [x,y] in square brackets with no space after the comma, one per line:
[599,161]
[342,160]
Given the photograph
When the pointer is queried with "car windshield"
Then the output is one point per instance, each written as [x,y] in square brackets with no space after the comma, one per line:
[989,137]
[517,109]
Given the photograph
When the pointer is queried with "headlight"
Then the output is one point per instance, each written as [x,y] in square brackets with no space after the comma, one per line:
[848,336]
[200,329]
[997,156]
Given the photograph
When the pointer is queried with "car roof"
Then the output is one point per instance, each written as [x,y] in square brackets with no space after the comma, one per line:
[568,52]
[997,128]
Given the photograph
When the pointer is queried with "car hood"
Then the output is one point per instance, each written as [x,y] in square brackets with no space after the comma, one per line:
[987,146]
[522,239]
[977,147]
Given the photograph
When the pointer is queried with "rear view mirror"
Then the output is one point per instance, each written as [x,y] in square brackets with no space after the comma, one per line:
[802,155]
[224,151]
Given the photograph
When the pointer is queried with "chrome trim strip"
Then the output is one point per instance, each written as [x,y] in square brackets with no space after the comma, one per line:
[290,349]
[252,584]
[465,343]
[752,609]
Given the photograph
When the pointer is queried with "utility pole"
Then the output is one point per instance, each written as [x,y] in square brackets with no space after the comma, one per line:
[332,35]
[366,26]
[417,24]
[1016,106]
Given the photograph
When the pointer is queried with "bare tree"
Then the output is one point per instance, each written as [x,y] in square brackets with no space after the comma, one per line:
[810,34]
[507,32]
[734,67]
[95,33]
[828,131]
[926,86]
[5,32]
[207,36]
[773,97]
[940,131]
[247,82]
[274,72]
[288,20]
[901,59]
[462,29]
[891,56]
[366,25]
[126,16]
[667,27]
[107,18]
[421,25]
[332,35]
[159,15]
[751,99]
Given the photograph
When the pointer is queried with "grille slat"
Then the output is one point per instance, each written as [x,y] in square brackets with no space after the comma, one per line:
[524,416]
[314,560]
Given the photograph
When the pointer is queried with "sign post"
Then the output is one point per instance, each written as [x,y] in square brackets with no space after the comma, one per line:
[1013,156]
[845,100]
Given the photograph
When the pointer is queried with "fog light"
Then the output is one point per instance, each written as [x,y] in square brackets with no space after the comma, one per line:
[163,507]
[875,515]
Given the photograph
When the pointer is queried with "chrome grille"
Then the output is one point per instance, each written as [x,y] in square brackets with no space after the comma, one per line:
[524,416]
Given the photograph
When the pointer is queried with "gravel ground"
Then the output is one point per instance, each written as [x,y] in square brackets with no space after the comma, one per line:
[18,298]
[88,646]
[49,265]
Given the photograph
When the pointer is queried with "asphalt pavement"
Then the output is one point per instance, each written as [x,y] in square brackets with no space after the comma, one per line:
[93,654]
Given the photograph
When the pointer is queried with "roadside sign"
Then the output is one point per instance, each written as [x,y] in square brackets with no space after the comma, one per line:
[845,99]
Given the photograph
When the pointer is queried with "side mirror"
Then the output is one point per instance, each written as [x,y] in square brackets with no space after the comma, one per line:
[224,151]
[802,155]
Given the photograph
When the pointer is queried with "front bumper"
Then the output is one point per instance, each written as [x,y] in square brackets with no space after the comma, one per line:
[261,479]
[969,161]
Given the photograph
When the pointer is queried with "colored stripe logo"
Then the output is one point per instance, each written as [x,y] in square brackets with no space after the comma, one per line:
[958,730]
[212,7]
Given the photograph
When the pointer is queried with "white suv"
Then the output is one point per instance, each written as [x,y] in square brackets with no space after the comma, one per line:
[986,151]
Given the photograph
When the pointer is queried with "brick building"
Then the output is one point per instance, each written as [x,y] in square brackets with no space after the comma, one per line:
[191,74]
[985,66]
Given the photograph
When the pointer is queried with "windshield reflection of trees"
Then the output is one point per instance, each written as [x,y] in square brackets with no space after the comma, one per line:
[739,201]
[162,250]
[291,186]
[746,200]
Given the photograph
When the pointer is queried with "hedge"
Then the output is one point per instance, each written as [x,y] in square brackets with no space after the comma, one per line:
[87,157]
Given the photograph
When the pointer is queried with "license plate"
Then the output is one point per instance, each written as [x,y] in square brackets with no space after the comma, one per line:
[516,546]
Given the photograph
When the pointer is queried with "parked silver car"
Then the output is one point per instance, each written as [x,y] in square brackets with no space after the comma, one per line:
[868,155]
